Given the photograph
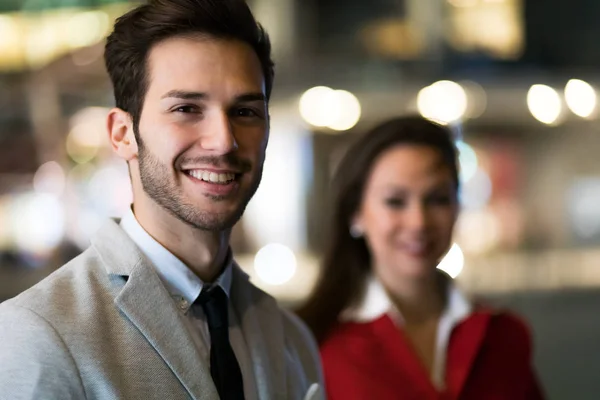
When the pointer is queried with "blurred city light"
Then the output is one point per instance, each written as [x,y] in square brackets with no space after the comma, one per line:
[275,264]
[346,111]
[477,99]
[85,222]
[10,45]
[42,42]
[50,178]
[494,28]
[580,96]
[582,204]
[478,231]
[443,101]
[314,105]
[36,38]
[86,28]
[38,222]
[463,3]
[322,106]
[109,190]
[87,134]
[453,262]
[477,191]
[277,212]
[467,159]
[544,104]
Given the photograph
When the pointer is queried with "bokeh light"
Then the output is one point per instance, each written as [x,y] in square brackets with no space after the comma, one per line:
[453,262]
[275,264]
[467,159]
[38,222]
[443,101]
[544,104]
[322,106]
[50,178]
[581,98]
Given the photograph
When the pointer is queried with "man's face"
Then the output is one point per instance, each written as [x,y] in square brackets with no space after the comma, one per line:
[203,130]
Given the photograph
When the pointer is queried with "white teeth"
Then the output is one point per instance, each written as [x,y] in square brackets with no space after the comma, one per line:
[212,177]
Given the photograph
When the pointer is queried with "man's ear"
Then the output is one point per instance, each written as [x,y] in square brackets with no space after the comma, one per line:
[120,133]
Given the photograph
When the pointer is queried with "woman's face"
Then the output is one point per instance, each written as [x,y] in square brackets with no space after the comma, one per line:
[408,210]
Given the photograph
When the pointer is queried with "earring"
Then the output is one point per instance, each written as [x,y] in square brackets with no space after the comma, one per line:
[356,231]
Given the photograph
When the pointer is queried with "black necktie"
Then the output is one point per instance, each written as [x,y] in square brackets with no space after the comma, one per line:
[224,367]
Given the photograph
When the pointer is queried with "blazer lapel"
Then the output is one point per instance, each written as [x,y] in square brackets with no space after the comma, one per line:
[465,343]
[262,327]
[146,303]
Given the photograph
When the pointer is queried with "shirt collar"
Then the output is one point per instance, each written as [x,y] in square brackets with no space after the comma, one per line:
[375,303]
[178,278]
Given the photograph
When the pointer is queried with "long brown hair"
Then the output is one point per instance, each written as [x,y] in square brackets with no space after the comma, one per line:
[347,260]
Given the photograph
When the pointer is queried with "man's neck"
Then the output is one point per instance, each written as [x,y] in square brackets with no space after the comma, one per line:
[203,252]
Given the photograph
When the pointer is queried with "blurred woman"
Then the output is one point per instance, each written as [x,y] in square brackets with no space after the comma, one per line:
[390,324]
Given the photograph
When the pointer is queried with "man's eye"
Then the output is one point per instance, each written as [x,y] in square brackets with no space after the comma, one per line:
[186,109]
[246,113]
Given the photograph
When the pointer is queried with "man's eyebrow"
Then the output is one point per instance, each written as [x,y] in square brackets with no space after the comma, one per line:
[248,97]
[185,95]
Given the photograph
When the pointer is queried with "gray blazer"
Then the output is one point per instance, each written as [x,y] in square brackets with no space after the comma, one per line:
[104,327]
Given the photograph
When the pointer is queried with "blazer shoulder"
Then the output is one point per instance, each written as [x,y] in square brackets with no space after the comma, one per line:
[63,289]
[35,362]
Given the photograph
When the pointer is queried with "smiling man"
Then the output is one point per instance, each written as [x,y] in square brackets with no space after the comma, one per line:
[157,308]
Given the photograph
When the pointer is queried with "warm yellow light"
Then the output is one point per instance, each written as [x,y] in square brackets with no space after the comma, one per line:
[463,3]
[10,42]
[86,28]
[443,101]
[314,105]
[345,111]
[42,43]
[544,104]
[581,98]
[322,106]
[87,134]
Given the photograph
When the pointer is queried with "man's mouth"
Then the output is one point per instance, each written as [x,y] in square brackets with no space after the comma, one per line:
[220,178]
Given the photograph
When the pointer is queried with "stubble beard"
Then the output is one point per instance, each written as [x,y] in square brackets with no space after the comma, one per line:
[159,186]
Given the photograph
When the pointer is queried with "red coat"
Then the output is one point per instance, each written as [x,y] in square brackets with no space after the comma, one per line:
[488,357]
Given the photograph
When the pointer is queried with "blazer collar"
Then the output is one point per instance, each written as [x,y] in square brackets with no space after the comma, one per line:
[145,301]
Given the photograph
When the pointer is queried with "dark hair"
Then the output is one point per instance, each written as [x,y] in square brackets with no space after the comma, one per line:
[347,260]
[136,32]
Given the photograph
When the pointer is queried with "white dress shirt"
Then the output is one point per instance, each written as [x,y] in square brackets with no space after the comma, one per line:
[376,303]
[184,287]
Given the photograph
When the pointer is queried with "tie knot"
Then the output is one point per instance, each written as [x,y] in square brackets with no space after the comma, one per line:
[213,301]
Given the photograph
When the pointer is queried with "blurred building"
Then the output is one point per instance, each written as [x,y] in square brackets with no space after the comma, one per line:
[516,80]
